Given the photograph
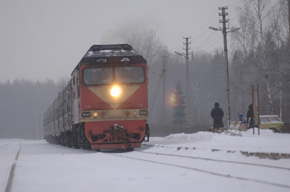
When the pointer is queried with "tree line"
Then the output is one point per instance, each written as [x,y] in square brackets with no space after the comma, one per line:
[262,56]
[259,54]
[22,104]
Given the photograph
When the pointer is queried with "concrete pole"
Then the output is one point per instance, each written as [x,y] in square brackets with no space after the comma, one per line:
[187,75]
[226,63]
[164,83]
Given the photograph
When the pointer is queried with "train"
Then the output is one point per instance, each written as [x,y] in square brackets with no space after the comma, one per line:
[105,103]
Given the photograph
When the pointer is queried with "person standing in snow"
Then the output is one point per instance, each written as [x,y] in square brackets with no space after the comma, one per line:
[250,116]
[217,114]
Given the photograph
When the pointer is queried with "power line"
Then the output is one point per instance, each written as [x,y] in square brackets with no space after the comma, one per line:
[235,3]
[209,39]
[205,24]
[201,35]
[200,41]
[207,46]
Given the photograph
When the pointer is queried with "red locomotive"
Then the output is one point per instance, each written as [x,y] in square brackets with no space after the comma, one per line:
[105,103]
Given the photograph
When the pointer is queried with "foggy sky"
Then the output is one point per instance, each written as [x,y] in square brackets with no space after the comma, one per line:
[43,39]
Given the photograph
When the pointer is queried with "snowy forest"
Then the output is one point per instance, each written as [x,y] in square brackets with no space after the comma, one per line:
[259,53]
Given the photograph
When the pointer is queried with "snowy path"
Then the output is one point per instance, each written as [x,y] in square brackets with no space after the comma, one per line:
[8,152]
[46,167]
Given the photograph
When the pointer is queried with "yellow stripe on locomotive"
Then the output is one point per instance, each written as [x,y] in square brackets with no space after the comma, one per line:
[109,115]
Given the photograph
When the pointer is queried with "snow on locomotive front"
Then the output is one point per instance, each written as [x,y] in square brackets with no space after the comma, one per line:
[110,97]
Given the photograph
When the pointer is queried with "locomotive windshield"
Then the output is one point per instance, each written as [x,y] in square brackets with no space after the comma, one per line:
[129,74]
[99,76]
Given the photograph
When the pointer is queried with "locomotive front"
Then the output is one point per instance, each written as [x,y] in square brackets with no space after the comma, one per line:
[112,96]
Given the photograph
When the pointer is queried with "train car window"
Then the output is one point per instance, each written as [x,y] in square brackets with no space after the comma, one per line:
[97,76]
[129,74]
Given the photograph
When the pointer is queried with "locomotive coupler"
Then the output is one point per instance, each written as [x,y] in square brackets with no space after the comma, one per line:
[115,129]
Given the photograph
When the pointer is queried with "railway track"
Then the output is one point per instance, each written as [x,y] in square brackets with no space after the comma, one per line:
[152,157]
[274,156]
[218,160]
[12,169]
[186,165]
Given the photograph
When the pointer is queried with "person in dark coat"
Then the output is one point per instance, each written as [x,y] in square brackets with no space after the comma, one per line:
[217,114]
[250,116]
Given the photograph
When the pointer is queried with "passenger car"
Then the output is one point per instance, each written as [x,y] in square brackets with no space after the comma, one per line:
[272,122]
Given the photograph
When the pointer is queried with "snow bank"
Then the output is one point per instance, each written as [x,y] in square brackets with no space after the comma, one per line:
[266,142]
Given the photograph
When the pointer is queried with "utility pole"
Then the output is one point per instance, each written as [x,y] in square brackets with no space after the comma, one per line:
[224,21]
[186,55]
[187,71]
[164,69]
[224,30]
[289,17]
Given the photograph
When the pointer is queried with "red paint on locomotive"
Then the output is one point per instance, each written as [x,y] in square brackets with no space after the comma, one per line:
[102,117]
[101,132]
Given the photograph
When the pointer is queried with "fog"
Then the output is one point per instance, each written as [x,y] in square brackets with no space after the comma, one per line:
[42,42]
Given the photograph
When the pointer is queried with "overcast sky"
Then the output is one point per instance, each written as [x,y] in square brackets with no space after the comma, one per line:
[45,39]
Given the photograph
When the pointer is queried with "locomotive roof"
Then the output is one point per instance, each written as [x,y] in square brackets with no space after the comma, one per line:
[111,50]
[110,54]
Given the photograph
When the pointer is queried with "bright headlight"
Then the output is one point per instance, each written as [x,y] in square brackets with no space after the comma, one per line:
[115,91]
[95,114]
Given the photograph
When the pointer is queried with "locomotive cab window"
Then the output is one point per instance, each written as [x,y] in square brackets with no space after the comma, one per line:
[97,76]
[129,74]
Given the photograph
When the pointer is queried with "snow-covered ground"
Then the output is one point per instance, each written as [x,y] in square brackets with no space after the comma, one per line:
[201,161]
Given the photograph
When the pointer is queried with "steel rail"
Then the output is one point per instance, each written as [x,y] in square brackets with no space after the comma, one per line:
[11,174]
[218,160]
[208,172]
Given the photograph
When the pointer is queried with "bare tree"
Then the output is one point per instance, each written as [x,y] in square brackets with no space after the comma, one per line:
[280,35]
[253,38]
[145,41]
[262,50]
